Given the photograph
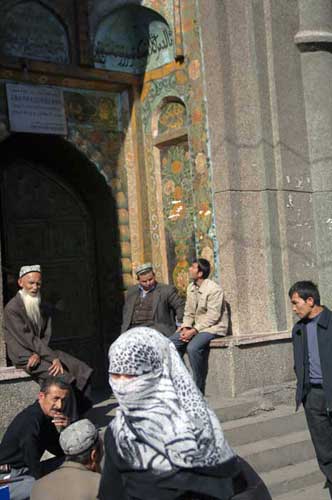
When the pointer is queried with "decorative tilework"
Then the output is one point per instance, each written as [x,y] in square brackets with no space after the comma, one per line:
[172,116]
[178,205]
[186,84]
[95,128]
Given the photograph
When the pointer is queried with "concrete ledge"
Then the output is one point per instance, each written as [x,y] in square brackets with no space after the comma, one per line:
[12,373]
[237,365]
[17,391]
[235,340]
[313,36]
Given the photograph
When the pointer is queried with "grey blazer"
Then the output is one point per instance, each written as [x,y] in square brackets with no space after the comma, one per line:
[167,305]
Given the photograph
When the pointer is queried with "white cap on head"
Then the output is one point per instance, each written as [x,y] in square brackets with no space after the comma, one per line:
[78,437]
[29,269]
[143,268]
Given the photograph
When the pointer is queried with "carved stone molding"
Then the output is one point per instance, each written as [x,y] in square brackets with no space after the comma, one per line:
[315,30]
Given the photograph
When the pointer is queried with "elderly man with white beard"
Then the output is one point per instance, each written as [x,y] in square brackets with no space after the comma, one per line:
[28,330]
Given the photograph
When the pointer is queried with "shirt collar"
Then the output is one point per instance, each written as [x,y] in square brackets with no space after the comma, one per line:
[145,292]
[198,288]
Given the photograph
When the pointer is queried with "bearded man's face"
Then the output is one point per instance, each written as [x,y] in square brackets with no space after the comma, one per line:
[31,283]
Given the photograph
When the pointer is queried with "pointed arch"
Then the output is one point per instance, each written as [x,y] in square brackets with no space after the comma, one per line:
[133,39]
[32,30]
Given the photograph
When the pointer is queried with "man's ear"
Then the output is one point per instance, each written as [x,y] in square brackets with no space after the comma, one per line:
[19,282]
[310,301]
[41,396]
[95,459]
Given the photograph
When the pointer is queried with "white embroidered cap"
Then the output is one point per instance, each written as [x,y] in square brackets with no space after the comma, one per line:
[143,268]
[29,269]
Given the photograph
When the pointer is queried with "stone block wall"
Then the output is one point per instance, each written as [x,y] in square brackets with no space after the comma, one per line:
[16,393]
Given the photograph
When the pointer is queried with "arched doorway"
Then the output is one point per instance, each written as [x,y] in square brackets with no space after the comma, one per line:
[46,219]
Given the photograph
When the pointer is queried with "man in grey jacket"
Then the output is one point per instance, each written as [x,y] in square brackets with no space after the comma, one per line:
[205,317]
[152,304]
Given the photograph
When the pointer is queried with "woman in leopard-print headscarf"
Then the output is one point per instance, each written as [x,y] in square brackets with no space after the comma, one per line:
[164,443]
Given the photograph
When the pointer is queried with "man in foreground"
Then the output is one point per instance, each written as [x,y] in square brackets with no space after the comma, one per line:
[312,342]
[205,317]
[28,330]
[152,304]
[78,477]
[33,431]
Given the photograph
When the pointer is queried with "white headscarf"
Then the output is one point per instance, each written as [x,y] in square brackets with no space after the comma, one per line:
[163,421]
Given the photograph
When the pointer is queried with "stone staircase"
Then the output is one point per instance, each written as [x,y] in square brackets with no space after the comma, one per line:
[277,444]
[266,431]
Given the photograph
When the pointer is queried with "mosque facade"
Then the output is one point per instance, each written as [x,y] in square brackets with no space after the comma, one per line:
[164,130]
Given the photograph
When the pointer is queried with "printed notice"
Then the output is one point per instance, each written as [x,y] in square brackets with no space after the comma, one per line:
[36,109]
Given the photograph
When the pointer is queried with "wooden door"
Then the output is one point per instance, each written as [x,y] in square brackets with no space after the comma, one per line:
[45,222]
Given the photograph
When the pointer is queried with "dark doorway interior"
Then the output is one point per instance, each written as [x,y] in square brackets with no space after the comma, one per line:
[56,210]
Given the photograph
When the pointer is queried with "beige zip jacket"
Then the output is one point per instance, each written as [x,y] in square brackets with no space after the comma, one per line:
[205,308]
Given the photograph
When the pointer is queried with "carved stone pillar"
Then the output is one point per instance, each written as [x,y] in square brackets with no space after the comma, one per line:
[314,40]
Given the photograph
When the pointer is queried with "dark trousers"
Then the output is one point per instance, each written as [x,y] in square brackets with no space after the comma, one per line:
[320,428]
[198,349]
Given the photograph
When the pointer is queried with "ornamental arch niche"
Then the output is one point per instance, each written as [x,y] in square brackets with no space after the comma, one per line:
[57,210]
[30,30]
[133,39]
[175,192]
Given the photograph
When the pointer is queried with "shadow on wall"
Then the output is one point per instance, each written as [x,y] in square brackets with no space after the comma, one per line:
[229,311]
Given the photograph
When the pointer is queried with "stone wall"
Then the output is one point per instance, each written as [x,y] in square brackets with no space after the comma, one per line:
[17,391]
[236,369]
[269,121]
[268,68]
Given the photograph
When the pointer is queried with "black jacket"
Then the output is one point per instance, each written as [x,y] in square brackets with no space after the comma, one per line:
[233,480]
[324,336]
[27,437]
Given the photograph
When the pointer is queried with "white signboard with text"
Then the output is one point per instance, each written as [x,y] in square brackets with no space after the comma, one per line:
[36,109]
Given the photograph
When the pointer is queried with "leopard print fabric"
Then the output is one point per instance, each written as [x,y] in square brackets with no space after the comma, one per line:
[163,421]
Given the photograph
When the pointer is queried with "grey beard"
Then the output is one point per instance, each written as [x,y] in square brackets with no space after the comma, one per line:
[32,307]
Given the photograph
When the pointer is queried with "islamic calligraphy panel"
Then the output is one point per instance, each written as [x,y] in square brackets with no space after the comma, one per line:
[133,39]
[185,84]
[31,31]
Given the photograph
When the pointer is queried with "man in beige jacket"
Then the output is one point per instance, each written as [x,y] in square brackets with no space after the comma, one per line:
[205,317]
[79,476]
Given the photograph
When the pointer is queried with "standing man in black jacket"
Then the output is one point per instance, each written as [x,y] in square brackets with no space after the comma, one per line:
[33,431]
[312,342]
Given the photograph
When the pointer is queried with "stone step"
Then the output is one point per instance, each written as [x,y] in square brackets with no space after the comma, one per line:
[238,408]
[293,477]
[315,492]
[276,452]
[282,420]
[226,409]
